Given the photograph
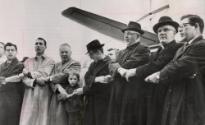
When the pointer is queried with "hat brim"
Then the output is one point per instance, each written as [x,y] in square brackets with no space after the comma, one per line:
[172,23]
[98,47]
[134,29]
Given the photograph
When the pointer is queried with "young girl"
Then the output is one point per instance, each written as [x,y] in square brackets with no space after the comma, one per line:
[73,103]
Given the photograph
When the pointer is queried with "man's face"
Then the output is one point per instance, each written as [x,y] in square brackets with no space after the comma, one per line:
[1,49]
[93,55]
[65,53]
[166,33]
[10,52]
[112,54]
[40,46]
[131,36]
[189,30]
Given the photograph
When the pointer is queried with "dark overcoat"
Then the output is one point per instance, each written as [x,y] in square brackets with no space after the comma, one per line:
[11,94]
[154,94]
[185,99]
[124,95]
[97,94]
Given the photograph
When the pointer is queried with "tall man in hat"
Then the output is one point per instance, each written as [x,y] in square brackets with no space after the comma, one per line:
[134,55]
[185,102]
[166,30]
[97,85]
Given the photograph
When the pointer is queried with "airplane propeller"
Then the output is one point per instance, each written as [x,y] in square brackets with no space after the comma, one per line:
[104,25]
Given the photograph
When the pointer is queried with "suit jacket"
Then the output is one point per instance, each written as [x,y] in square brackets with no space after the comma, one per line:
[185,102]
[59,71]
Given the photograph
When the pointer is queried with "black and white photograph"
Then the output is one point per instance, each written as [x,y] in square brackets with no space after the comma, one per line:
[102,62]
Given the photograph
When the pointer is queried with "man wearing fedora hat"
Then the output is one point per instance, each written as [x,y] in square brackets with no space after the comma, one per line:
[97,87]
[166,30]
[135,54]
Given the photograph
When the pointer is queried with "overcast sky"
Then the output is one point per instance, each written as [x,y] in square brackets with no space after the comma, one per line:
[22,21]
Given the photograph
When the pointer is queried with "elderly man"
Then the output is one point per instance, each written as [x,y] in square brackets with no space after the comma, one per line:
[185,102]
[11,94]
[123,96]
[37,93]
[57,115]
[166,30]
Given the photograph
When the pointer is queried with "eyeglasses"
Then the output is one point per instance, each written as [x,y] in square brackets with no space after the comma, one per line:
[38,43]
[186,24]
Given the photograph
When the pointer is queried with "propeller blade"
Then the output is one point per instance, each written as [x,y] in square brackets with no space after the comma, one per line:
[104,25]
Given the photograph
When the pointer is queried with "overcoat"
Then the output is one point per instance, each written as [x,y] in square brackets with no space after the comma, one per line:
[185,101]
[11,94]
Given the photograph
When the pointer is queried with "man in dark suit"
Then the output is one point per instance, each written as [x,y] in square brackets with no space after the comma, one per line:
[185,101]
[166,30]
[123,97]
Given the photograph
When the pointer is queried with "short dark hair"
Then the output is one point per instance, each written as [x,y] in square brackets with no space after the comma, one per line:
[193,19]
[10,44]
[45,42]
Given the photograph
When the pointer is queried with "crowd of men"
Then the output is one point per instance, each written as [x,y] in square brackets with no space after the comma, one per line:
[125,87]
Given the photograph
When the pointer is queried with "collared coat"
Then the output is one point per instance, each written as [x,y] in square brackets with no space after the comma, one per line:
[97,94]
[11,94]
[185,98]
[36,98]
[124,95]
[57,112]
[154,94]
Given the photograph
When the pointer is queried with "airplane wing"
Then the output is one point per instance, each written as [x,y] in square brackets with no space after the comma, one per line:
[104,25]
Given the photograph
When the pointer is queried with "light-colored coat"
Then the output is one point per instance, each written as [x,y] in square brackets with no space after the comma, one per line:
[36,99]
[57,114]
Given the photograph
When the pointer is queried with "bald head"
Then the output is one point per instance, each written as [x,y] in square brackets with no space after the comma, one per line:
[65,52]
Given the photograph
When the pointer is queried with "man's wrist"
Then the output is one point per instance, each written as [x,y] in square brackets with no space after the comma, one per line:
[121,71]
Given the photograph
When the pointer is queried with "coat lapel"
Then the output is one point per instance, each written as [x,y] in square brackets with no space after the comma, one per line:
[184,49]
[100,65]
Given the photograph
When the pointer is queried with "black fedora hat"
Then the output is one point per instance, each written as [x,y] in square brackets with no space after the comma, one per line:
[134,26]
[165,20]
[94,45]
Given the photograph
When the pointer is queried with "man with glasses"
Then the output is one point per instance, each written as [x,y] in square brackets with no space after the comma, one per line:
[185,102]
[166,30]
[37,93]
